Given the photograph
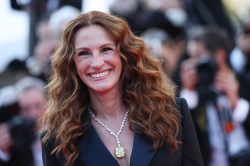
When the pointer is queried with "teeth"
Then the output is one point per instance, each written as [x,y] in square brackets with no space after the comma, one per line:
[97,75]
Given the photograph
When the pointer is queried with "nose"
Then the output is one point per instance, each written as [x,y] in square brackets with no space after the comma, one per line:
[97,61]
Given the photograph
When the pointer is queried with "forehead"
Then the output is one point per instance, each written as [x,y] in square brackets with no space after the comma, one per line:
[91,35]
[196,48]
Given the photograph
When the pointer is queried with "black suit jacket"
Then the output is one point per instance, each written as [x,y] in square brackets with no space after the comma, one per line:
[22,133]
[94,153]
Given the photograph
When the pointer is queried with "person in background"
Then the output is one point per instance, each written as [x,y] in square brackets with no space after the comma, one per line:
[211,89]
[208,12]
[39,10]
[142,15]
[240,60]
[107,97]
[31,99]
[49,33]
[8,108]
[170,51]
[20,144]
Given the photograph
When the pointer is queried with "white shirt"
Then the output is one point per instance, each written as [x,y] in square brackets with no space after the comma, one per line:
[4,156]
[237,139]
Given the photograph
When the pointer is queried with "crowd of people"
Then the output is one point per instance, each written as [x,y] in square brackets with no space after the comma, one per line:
[205,58]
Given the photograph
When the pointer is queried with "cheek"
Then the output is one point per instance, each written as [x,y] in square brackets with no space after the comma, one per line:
[118,59]
[118,62]
[80,66]
[81,69]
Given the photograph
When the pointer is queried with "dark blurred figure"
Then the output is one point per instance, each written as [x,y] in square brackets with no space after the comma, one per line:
[9,106]
[44,7]
[240,59]
[208,12]
[221,115]
[15,70]
[40,9]
[143,15]
[48,32]
[12,128]
[19,142]
[167,49]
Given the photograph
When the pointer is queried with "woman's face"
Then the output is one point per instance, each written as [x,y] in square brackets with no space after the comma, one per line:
[97,60]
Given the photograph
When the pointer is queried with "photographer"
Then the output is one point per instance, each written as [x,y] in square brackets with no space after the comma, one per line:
[14,131]
[19,142]
[221,116]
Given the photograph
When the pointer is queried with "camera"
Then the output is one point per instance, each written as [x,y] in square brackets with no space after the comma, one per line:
[206,69]
[8,111]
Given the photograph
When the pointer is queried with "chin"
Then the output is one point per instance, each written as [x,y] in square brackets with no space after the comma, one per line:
[102,88]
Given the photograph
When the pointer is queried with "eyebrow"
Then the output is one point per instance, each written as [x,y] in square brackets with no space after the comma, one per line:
[101,46]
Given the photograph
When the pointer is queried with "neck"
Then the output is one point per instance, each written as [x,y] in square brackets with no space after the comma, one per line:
[108,105]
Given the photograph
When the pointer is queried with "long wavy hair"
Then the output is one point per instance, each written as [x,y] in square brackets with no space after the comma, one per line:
[148,93]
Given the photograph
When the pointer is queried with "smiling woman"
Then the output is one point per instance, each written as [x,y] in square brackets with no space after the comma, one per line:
[108,97]
[97,60]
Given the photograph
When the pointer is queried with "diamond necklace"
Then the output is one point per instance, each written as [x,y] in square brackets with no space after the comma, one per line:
[119,150]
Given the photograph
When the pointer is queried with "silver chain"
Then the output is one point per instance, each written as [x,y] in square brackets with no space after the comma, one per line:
[108,129]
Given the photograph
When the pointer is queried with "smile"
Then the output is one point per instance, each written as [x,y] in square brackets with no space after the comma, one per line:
[98,75]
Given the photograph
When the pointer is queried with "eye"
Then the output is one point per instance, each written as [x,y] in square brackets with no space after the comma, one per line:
[84,53]
[106,49]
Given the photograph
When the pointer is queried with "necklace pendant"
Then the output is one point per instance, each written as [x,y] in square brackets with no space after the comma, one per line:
[119,152]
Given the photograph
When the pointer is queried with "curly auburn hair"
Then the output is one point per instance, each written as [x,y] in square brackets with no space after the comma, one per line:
[148,93]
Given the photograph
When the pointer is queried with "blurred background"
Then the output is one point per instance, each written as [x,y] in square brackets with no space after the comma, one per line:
[20,19]
[30,31]
[13,33]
